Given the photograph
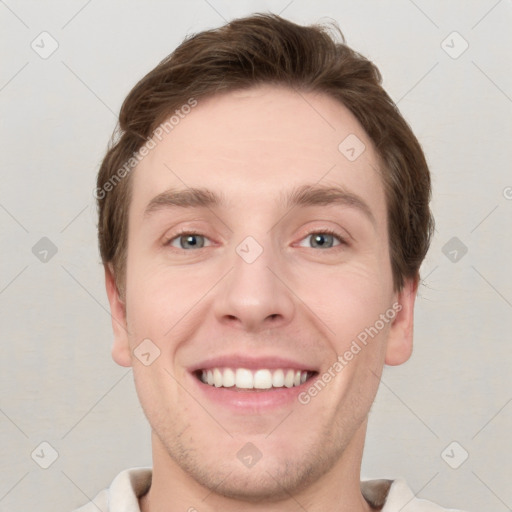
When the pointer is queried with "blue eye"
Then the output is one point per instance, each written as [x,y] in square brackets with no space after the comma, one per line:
[322,240]
[188,241]
[316,240]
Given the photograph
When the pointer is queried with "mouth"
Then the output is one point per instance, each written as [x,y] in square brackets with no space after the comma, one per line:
[262,379]
[250,385]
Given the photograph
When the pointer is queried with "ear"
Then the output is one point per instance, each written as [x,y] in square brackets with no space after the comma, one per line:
[399,345]
[121,348]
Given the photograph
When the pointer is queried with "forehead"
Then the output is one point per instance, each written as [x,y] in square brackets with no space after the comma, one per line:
[252,146]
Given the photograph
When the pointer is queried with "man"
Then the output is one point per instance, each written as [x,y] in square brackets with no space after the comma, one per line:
[263,215]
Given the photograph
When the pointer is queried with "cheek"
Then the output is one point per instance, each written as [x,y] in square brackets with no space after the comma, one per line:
[160,298]
[346,299]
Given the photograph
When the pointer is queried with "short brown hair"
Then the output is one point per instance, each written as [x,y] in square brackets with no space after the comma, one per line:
[267,49]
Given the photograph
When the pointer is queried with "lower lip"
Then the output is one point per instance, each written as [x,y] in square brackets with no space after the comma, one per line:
[243,400]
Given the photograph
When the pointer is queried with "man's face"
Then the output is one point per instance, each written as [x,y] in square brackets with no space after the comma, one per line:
[257,254]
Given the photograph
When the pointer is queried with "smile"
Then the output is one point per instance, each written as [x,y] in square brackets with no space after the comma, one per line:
[243,378]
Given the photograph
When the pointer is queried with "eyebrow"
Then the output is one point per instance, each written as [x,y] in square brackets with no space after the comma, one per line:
[321,195]
[186,198]
[304,195]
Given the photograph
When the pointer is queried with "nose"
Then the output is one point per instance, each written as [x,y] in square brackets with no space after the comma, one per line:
[254,296]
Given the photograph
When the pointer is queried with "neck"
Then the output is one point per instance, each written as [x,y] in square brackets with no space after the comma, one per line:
[338,489]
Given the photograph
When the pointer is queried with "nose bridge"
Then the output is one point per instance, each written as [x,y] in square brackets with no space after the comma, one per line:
[251,275]
[252,297]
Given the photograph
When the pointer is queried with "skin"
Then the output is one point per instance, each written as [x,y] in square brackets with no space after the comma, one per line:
[296,300]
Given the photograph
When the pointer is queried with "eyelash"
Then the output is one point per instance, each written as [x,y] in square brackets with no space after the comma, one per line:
[179,234]
[326,231]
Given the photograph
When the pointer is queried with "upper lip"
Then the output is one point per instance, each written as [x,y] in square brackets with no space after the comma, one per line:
[251,363]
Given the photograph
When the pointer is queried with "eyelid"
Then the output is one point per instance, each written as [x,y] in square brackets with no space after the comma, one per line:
[185,232]
[327,231]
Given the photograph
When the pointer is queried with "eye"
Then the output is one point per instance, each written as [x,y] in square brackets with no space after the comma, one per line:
[189,241]
[322,240]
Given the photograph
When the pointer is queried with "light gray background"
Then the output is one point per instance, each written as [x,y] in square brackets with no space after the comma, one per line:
[58,382]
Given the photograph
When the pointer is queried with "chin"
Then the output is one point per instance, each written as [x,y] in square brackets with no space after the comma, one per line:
[272,478]
[255,485]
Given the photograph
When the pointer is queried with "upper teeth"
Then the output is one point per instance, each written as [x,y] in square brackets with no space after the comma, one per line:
[248,379]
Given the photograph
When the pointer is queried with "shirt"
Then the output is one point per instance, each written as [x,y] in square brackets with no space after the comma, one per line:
[124,492]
